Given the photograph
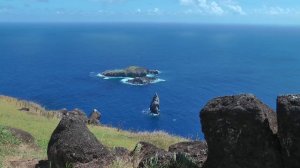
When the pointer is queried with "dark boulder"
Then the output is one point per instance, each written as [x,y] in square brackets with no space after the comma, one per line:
[60,113]
[24,109]
[154,106]
[72,144]
[95,117]
[76,113]
[288,113]
[195,150]
[239,131]
[121,153]
[153,72]
[146,154]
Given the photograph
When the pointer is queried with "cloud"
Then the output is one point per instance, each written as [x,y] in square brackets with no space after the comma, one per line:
[214,7]
[139,10]
[237,9]
[210,7]
[186,2]
[276,10]
[155,11]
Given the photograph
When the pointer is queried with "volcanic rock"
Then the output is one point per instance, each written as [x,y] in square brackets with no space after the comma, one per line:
[288,113]
[145,153]
[95,117]
[239,131]
[141,80]
[154,106]
[132,71]
[122,153]
[72,144]
[196,150]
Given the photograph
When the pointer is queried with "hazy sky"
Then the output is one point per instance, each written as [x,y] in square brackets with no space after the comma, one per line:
[199,11]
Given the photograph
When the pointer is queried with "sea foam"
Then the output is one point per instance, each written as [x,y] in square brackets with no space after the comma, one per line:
[125,80]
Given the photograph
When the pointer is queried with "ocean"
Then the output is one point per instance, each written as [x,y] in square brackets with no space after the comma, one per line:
[56,65]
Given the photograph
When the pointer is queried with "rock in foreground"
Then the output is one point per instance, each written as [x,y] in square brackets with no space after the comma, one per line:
[288,112]
[196,150]
[145,153]
[72,144]
[239,131]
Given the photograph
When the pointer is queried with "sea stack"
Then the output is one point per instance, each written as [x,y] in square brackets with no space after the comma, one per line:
[154,106]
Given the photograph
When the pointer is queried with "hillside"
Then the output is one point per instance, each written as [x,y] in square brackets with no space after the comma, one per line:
[40,123]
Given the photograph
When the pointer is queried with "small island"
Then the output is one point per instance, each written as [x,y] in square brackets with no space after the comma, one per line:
[134,75]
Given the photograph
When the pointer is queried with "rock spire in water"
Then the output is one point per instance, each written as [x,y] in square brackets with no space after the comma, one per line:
[154,106]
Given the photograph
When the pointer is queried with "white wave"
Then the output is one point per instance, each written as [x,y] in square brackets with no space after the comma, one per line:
[150,75]
[158,80]
[152,114]
[106,77]
[148,112]
[125,81]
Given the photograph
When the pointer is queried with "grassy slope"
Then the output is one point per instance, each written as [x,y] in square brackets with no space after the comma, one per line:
[42,127]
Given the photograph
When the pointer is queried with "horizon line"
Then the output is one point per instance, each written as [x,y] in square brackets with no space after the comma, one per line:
[153,22]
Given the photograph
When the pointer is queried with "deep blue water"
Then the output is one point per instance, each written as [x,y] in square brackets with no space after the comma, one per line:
[52,63]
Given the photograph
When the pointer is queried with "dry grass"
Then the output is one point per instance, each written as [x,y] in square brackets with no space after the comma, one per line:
[41,123]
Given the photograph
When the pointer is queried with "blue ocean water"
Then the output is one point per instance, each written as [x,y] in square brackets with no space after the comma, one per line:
[55,65]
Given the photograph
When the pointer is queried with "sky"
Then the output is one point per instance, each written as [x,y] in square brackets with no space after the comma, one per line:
[285,12]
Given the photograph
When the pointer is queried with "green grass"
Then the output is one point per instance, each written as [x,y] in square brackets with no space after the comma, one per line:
[6,137]
[7,143]
[41,128]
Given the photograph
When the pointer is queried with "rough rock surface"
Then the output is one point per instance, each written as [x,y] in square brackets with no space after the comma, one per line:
[141,80]
[95,117]
[79,114]
[73,144]
[196,150]
[121,153]
[288,112]
[154,106]
[239,131]
[132,71]
[145,153]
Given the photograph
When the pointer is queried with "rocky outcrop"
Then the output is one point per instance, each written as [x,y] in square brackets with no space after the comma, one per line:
[195,150]
[132,71]
[139,75]
[145,154]
[72,144]
[288,112]
[154,106]
[239,131]
[121,153]
[142,80]
[95,117]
